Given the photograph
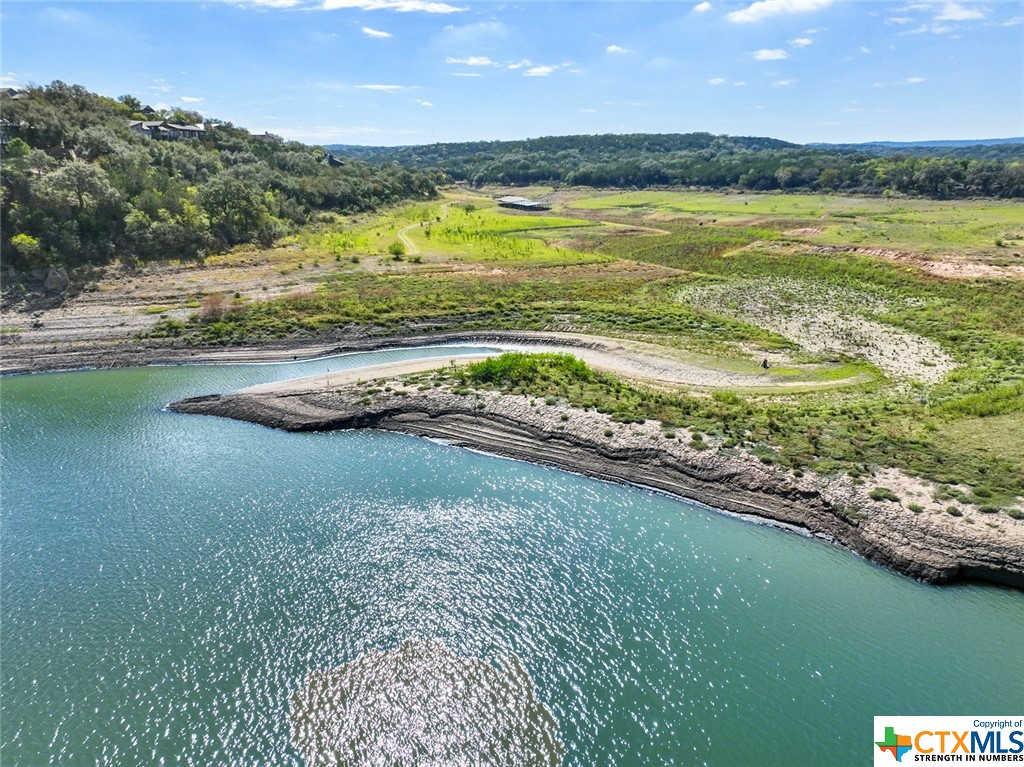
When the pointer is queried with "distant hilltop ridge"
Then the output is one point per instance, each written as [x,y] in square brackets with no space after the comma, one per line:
[655,142]
[952,170]
[941,143]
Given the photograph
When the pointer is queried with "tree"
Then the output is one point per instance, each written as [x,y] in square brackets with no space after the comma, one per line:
[77,188]
[131,102]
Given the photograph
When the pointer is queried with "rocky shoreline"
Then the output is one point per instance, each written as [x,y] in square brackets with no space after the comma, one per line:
[931,545]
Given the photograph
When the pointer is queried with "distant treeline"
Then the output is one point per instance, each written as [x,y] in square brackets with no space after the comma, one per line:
[81,187]
[705,160]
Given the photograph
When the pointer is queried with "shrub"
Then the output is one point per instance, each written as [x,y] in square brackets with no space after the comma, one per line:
[883,494]
[954,511]
[213,308]
[608,432]
[520,369]
[915,507]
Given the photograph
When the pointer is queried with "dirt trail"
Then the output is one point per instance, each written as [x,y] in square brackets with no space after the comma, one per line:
[410,246]
[642,362]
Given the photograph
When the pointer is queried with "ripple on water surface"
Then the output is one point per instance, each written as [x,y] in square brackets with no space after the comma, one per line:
[422,705]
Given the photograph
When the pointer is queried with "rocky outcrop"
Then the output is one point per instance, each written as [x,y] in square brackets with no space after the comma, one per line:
[931,546]
[56,280]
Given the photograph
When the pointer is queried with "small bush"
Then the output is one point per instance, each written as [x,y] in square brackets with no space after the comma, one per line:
[214,307]
[954,511]
[883,494]
[915,507]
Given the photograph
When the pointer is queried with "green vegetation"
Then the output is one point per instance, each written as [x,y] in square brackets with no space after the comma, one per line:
[883,494]
[81,187]
[923,226]
[715,162]
[846,433]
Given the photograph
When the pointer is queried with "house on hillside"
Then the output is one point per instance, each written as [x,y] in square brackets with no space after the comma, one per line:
[148,111]
[269,137]
[14,93]
[522,203]
[165,131]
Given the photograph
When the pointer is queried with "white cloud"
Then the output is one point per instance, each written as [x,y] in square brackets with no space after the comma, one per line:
[471,61]
[617,49]
[588,111]
[957,12]
[914,80]
[275,3]
[542,71]
[783,83]
[399,6]
[865,50]
[766,8]
[376,33]
[385,88]
[702,7]
[424,103]
[899,20]
[716,81]
[519,64]
[466,74]
[770,54]
[192,99]
[738,84]
[801,42]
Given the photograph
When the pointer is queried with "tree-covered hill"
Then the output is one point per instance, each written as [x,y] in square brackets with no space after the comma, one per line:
[705,160]
[81,187]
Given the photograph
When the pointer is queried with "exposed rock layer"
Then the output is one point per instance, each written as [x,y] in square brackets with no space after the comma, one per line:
[933,547]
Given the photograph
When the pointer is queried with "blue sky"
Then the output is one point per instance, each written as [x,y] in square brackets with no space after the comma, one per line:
[389,72]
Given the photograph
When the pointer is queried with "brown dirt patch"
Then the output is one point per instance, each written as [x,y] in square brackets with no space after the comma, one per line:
[949,267]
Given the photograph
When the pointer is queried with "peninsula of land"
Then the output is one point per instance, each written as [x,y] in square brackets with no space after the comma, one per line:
[919,540]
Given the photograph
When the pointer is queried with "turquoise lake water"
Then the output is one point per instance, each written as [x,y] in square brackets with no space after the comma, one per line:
[170,581]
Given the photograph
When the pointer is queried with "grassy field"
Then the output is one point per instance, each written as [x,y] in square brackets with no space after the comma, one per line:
[924,226]
[932,369]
